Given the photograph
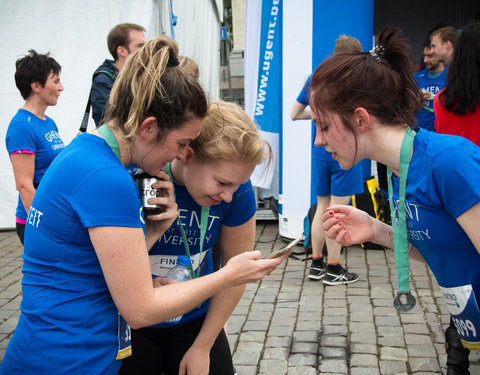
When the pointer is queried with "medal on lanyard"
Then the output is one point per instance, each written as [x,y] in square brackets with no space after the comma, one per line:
[203,231]
[400,229]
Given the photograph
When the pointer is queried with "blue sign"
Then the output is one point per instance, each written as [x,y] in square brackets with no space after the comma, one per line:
[223,33]
[268,107]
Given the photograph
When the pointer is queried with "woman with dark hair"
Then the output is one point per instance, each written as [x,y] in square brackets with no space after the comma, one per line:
[457,112]
[364,107]
[457,106]
[32,137]
[86,273]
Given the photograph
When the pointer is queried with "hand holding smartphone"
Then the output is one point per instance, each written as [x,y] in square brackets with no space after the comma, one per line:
[283,250]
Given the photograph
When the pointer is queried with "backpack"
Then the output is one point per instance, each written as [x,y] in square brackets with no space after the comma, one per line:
[307,233]
[374,202]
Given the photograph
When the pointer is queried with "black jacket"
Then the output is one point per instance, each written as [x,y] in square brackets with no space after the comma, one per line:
[102,83]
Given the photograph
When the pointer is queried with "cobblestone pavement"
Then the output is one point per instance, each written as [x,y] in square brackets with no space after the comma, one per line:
[288,324]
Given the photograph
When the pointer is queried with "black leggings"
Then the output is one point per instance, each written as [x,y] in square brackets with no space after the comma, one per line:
[160,350]
[20,231]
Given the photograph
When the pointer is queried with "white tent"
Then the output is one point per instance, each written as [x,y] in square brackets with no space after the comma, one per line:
[75,33]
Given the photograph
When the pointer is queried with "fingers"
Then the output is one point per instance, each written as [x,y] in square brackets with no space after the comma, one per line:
[166,200]
[165,186]
[271,264]
[341,209]
[336,232]
[253,254]
[170,213]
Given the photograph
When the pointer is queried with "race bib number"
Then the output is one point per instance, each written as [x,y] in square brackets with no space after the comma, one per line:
[161,264]
[463,308]
[124,339]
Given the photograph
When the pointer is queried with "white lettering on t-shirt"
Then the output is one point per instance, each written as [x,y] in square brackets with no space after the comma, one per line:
[34,216]
[411,209]
[412,212]
[192,219]
[52,135]
[418,235]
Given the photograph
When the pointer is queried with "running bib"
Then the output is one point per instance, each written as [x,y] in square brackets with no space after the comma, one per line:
[124,339]
[161,264]
[463,308]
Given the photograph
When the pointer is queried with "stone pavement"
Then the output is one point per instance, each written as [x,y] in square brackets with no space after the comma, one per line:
[288,324]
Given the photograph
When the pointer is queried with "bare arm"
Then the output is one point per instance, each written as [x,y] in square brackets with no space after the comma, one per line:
[469,222]
[232,241]
[299,112]
[350,226]
[122,254]
[23,170]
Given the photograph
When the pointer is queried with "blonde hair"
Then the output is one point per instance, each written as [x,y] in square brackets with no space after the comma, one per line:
[228,134]
[347,44]
[190,66]
[152,84]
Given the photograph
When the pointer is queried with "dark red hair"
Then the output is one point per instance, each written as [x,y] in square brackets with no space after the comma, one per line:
[379,81]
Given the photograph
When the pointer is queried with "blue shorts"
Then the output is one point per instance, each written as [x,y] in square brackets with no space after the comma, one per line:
[331,179]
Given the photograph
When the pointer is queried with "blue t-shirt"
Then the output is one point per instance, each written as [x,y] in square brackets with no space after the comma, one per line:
[164,253]
[68,322]
[432,83]
[442,184]
[319,152]
[27,132]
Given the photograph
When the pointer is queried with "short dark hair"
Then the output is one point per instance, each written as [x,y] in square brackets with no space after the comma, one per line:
[34,67]
[446,34]
[346,43]
[119,36]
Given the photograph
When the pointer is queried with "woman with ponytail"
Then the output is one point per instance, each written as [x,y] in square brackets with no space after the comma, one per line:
[364,106]
[87,276]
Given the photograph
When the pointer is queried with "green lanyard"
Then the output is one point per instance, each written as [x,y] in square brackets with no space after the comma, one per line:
[203,231]
[108,137]
[400,229]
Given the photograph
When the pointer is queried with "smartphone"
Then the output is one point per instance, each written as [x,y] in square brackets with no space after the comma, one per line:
[283,250]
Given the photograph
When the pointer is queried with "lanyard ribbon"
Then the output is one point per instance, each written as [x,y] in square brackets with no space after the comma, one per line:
[108,137]
[399,227]
[203,231]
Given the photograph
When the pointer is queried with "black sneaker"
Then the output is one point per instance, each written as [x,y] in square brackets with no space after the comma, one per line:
[340,277]
[316,272]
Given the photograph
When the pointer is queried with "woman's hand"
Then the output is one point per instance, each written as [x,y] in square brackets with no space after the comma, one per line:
[249,267]
[196,361]
[156,225]
[348,225]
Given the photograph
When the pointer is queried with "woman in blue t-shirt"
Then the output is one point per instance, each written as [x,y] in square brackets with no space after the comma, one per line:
[214,177]
[86,272]
[364,106]
[32,137]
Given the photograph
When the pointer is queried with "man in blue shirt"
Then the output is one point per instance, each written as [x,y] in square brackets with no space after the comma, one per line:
[431,80]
